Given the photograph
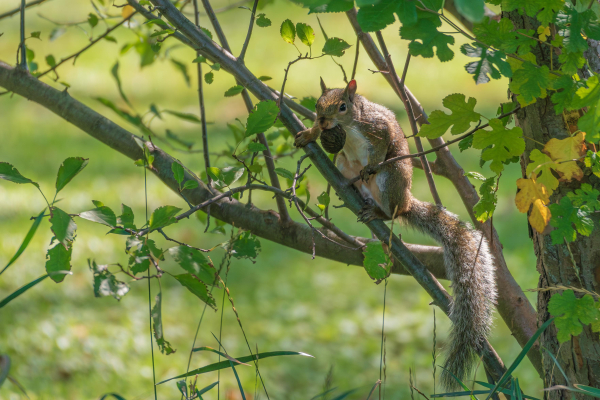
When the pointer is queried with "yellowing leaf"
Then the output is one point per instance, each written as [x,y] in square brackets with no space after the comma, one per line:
[544,32]
[127,11]
[561,150]
[536,194]
[540,169]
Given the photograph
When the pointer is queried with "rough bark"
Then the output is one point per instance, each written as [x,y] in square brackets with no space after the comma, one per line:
[579,357]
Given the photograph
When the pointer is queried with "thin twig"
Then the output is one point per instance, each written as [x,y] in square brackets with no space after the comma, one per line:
[181,243]
[409,111]
[23,63]
[18,9]
[247,41]
[355,58]
[434,149]
[93,42]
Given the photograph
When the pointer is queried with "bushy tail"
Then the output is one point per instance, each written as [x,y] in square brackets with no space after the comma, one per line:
[470,268]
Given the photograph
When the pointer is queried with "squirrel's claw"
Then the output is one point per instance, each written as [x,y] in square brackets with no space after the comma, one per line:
[305,137]
[369,212]
[366,173]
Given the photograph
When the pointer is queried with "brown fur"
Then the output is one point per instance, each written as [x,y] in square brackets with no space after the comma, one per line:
[373,135]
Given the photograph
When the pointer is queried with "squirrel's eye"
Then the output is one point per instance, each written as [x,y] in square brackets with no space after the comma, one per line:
[343,107]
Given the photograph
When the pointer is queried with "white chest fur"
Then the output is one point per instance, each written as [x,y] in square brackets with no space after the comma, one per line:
[356,148]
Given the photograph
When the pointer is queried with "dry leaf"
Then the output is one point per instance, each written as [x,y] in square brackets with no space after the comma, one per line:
[127,11]
[536,194]
[570,148]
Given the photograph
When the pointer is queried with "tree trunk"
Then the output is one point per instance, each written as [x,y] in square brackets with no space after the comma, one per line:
[579,357]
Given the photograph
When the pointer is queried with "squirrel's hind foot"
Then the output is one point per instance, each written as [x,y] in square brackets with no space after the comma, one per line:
[370,211]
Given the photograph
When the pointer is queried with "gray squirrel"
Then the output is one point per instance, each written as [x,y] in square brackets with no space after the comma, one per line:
[373,135]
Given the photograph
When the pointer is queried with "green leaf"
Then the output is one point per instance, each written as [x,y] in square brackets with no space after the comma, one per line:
[197,288]
[163,216]
[262,20]
[330,6]
[92,20]
[178,172]
[505,143]
[181,67]
[58,259]
[491,63]
[10,173]
[375,17]
[163,345]
[460,119]
[335,47]
[472,10]
[562,98]
[542,166]
[215,66]
[105,283]
[485,207]
[23,289]
[466,143]
[309,102]
[156,21]
[571,313]
[115,73]
[571,62]
[121,113]
[226,176]
[139,250]
[589,97]
[305,34]
[323,199]
[101,215]
[284,173]
[199,59]
[26,241]
[227,363]
[592,160]
[549,10]
[254,147]
[570,24]
[191,184]
[287,31]
[530,82]
[209,77]
[495,33]
[262,117]
[194,262]
[36,34]
[264,78]
[232,91]
[184,116]
[376,262]
[246,245]
[564,216]
[68,170]
[587,196]
[50,60]
[407,13]
[63,226]
[207,32]
[126,217]
[426,32]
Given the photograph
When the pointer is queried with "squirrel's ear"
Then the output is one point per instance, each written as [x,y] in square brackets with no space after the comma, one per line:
[323,86]
[351,90]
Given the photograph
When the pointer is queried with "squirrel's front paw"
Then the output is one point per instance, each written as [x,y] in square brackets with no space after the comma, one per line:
[305,137]
[366,173]
[369,212]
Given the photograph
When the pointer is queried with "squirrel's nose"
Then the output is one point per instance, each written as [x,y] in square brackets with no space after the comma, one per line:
[323,123]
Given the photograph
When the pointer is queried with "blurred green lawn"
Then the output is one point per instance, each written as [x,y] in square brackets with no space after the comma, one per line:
[66,344]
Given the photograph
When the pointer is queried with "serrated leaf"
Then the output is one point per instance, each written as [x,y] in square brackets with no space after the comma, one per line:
[460,119]
[105,283]
[536,194]
[190,184]
[102,215]
[505,143]
[163,216]
[63,227]
[10,173]
[139,250]
[541,166]
[58,259]
[284,173]
[92,20]
[163,345]
[262,117]
[209,77]
[564,216]
[323,199]
[309,102]
[255,146]
[126,218]
[490,64]
[571,62]
[178,172]
[530,82]
[562,98]
[305,33]
[246,245]
[335,47]
[194,262]
[586,196]
[424,36]
[472,10]
[571,313]
[262,20]
[68,170]
[375,17]
[592,160]
[330,6]
[589,97]
[563,150]
[376,262]
[288,31]
[485,207]
[197,288]
[232,91]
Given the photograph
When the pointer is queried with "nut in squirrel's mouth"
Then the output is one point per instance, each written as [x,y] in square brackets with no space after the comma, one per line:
[333,139]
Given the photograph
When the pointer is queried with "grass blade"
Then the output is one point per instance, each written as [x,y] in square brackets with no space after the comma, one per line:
[344,395]
[460,383]
[23,289]
[238,381]
[26,241]
[520,357]
[558,365]
[587,390]
[4,368]
[227,356]
[323,394]
[503,390]
[206,389]
[225,364]
[459,394]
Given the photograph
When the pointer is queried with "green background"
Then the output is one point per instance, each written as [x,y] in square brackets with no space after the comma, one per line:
[66,344]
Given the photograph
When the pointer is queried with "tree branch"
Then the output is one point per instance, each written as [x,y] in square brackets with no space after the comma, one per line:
[515,309]
[348,194]
[18,9]
[265,224]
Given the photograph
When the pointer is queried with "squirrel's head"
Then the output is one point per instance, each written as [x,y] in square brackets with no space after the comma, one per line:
[335,105]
